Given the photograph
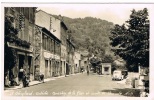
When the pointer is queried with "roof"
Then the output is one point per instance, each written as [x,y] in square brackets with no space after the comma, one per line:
[85,53]
[47,13]
[62,23]
[70,42]
[49,33]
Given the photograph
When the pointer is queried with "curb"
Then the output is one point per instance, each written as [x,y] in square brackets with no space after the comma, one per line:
[45,80]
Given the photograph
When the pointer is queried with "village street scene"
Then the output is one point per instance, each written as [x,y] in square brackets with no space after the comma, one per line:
[50,54]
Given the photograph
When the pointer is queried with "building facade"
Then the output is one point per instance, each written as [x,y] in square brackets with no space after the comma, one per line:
[51,44]
[84,59]
[22,19]
[70,57]
[106,69]
[63,48]
[47,47]
[77,61]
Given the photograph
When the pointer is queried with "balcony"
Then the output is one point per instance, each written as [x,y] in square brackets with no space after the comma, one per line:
[13,45]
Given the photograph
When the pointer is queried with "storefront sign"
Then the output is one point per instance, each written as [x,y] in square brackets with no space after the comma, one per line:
[48,55]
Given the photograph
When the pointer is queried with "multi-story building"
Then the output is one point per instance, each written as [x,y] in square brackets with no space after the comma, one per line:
[84,59]
[50,50]
[70,57]
[63,48]
[22,19]
[47,47]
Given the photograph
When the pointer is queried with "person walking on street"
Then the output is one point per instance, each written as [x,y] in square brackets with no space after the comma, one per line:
[87,70]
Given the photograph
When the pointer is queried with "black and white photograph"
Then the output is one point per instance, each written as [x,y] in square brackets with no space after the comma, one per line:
[76,50]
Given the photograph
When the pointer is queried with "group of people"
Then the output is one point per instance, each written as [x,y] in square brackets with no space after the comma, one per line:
[82,70]
[24,77]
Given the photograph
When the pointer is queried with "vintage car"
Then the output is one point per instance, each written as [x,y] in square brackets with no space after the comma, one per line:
[119,74]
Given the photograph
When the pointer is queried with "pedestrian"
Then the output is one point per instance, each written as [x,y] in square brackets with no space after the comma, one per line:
[41,77]
[87,72]
[20,75]
[82,70]
[7,79]
[11,78]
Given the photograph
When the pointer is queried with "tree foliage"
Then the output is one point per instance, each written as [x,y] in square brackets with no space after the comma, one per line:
[10,54]
[132,39]
[91,34]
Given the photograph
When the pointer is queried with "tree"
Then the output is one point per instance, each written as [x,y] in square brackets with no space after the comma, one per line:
[95,62]
[133,39]
[10,54]
[107,59]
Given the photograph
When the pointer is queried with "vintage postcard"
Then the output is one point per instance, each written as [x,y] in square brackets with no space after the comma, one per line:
[62,50]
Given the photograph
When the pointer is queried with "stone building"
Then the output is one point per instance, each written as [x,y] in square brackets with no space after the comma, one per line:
[84,59]
[70,57]
[77,61]
[51,44]
[63,48]
[22,19]
[47,47]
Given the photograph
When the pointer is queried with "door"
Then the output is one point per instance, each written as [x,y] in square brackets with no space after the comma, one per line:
[50,70]
[67,69]
[30,69]
[46,68]
[21,61]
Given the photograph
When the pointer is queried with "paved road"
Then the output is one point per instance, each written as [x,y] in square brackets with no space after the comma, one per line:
[76,85]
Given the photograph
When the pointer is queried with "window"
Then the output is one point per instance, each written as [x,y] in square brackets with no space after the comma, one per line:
[55,47]
[31,15]
[85,62]
[12,11]
[43,41]
[49,44]
[46,43]
[26,13]
[6,10]
[22,10]
[17,9]
[106,69]
[58,49]
[52,45]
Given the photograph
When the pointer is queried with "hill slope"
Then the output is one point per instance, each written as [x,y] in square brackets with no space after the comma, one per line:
[89,33]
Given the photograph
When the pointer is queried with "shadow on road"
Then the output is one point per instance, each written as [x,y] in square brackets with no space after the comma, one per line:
[125,92]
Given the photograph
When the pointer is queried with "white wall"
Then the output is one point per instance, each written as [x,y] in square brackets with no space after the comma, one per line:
[43,19]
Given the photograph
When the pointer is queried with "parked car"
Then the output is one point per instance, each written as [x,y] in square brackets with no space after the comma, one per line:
[119,74]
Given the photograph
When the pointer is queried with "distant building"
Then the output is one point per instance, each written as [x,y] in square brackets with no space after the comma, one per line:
[77,61]
[84,59]
[106,69]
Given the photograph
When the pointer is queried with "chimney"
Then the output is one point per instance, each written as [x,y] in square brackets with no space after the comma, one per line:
[60,17]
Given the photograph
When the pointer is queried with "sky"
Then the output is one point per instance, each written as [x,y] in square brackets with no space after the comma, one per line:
[116,13]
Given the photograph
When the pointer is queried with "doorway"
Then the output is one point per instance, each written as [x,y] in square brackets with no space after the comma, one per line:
[46,68]
[21,61]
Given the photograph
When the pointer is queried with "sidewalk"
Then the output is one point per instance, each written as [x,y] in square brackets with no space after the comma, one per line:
[37,82]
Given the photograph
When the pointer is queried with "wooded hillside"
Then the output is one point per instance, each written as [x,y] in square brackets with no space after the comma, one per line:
[90,33]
